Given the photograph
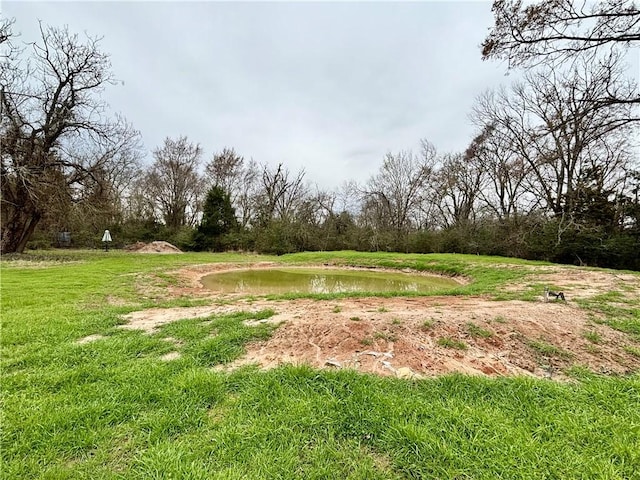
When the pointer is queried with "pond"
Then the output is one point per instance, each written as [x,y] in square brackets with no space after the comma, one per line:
[310,280]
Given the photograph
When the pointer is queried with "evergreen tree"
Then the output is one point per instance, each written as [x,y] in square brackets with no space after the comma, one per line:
[218,220]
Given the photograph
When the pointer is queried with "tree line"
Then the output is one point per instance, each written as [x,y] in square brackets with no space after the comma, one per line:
[552,172]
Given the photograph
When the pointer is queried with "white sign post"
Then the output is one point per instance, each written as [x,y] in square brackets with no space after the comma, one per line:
[106,238]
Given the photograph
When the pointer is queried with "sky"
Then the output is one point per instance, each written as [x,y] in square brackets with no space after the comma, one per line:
[328,87]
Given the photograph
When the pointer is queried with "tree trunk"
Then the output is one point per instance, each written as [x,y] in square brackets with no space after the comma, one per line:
[18,229]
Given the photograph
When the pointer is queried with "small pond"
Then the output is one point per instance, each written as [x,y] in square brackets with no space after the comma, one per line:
[314,280]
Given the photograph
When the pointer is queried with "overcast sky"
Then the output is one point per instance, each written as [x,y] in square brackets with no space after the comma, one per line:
[328,87]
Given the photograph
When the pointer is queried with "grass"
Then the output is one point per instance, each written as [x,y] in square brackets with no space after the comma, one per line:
[386,336]
[427,324]
[112,409]
[477,332]
[448,342]
[218,340]
[635,351]
[547,349]
[608,309]
[591,349]
[592,336]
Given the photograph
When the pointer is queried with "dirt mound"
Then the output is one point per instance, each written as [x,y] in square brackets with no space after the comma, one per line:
[134,247]
[153,247]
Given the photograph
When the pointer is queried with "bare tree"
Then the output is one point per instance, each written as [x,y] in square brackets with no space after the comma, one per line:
[552,129]
[97,199]
[247,194]
[8,50]
[281,193]
[225,169]
[394,194]
[53,129]
[173,182]
[572,133]
[554,31]
[348,197]
[458,183]
[504,194]
[239,179]
[527,33]
[140,207]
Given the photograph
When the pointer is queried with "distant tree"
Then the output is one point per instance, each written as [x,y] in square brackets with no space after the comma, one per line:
[218,219]
[594,203]
[630,202]
[240,179]
[56,139]
[245,192]
[504,192]
[457,186]
[395,192]
[281,193]
[225,169]
[173,182]
[139,206]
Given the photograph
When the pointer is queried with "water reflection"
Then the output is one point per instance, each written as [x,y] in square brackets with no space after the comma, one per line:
[294,280]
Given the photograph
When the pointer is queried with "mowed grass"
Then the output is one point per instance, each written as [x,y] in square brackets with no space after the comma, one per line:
[113,408]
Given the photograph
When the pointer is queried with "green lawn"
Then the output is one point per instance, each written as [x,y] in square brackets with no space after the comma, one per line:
[112,408]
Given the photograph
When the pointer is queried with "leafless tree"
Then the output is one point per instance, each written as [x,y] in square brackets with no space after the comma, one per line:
[551,32]
[8,48]
[247,194]
[572,132]
[348,197]
[325,204]
[139,206]
[458,183]
[552,129]
[281,193]
[224,170]
[174,184]
[394,194]
[97,201]
[525,33]
[504,193]
[54,130]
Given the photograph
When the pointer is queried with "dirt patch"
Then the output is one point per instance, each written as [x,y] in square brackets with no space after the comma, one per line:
[90,338]
[403,337]
[153,247]
[167,357]
[149,320]
[578,283]
[585,283]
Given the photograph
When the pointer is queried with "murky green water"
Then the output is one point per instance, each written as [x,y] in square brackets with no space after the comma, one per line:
[309,280]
